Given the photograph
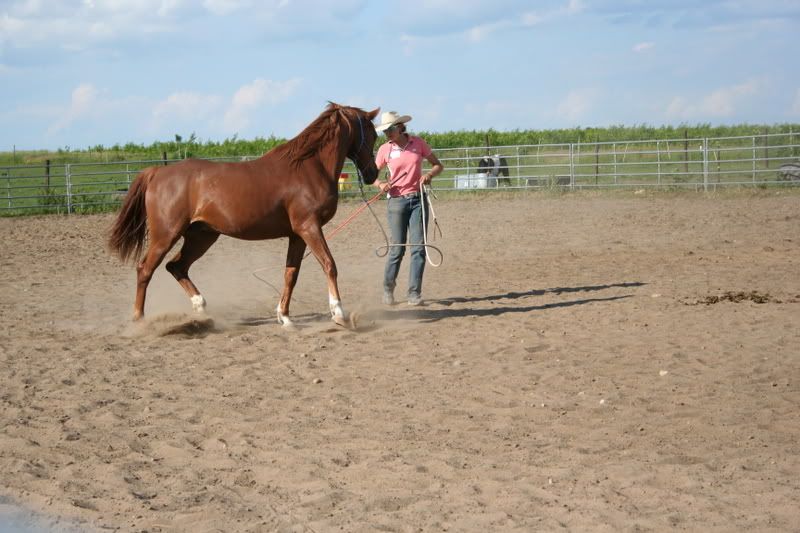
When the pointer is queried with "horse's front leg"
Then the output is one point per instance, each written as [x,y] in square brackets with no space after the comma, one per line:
[316,242]
[294,256]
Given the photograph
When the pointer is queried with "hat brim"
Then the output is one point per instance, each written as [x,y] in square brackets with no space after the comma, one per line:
[400,120]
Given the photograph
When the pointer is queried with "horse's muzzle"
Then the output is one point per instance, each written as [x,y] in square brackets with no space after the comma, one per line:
[370,174]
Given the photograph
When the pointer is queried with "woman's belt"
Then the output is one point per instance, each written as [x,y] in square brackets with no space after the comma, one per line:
[409,195]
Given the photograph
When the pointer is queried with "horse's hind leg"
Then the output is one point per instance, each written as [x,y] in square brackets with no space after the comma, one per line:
[294,257]
[158,248]
[196,242]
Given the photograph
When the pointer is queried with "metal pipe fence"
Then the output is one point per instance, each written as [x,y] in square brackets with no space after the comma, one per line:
[700,164]
[71,187]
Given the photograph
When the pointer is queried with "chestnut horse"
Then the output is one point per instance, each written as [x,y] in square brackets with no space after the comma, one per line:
[291,191]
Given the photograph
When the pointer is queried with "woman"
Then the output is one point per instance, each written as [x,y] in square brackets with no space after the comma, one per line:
[403,154]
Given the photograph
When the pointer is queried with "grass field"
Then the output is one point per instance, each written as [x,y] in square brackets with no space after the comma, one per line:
[95,180]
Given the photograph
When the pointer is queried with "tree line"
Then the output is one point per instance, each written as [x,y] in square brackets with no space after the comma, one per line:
[181,148]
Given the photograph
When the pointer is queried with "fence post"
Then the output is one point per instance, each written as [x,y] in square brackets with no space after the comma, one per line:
[658,166]
[615,163]
[596,161]
[686,153]
[68,181]
[518,178]
[754,159]
[47,177]
[571,165]
[705,164]
[469,172]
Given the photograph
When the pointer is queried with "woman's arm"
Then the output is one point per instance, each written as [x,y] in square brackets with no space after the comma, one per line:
[436,168]
[380,163]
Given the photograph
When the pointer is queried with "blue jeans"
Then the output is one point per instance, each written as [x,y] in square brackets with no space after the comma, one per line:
[405,221]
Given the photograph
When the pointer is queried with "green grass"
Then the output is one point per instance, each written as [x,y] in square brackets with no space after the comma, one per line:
[98,175]
[180,148]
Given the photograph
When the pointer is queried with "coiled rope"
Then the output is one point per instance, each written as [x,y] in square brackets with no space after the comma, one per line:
[424,195]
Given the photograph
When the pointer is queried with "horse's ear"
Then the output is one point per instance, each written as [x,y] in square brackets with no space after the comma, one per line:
[374,113]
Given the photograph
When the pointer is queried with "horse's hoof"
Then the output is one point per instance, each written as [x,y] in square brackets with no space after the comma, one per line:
[349,322]
[198,304]
[285,322]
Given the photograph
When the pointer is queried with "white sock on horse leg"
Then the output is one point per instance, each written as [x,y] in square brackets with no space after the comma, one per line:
[335,306]
[199,303]
[283,320]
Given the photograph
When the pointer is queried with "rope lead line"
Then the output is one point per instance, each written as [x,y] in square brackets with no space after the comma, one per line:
[424,192]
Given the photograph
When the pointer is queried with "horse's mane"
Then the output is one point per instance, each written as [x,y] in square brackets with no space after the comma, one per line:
[318,133]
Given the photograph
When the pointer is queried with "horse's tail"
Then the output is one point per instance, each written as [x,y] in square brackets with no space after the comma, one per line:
[130,229]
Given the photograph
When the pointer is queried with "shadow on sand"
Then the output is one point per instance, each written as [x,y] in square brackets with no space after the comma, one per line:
[432,311]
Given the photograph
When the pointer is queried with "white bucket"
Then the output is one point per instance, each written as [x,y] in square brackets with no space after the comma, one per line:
[472,181]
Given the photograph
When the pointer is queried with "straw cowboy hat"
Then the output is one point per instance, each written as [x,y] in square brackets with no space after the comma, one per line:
[391,118]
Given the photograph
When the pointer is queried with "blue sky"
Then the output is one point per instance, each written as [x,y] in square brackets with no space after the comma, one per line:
[81,73]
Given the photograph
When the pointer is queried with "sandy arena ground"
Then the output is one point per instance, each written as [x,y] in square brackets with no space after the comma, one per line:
[595,362]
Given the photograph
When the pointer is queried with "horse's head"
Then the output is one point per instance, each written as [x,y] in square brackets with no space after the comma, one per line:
[362,143]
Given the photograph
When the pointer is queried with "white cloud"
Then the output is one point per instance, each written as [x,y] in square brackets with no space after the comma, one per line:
[575,6]
[476,20]
[526,19]
[576,104]
[531,19]
[185,105]
[796,103]
[717,104]
[643,47]
[481,32]
[82,103]
[678,108]
[722,101]
[305,19]
[161,8]
[710,14]
[251,96]
[198,111]
[75,25]
[225,7]
[80,24]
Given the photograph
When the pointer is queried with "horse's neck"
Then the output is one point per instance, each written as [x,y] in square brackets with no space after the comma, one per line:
[333,154]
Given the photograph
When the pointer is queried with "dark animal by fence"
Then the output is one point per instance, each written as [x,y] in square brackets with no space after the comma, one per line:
[290,191]
[495,167]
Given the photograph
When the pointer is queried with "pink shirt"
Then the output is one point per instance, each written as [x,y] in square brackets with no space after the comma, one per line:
[406,160]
